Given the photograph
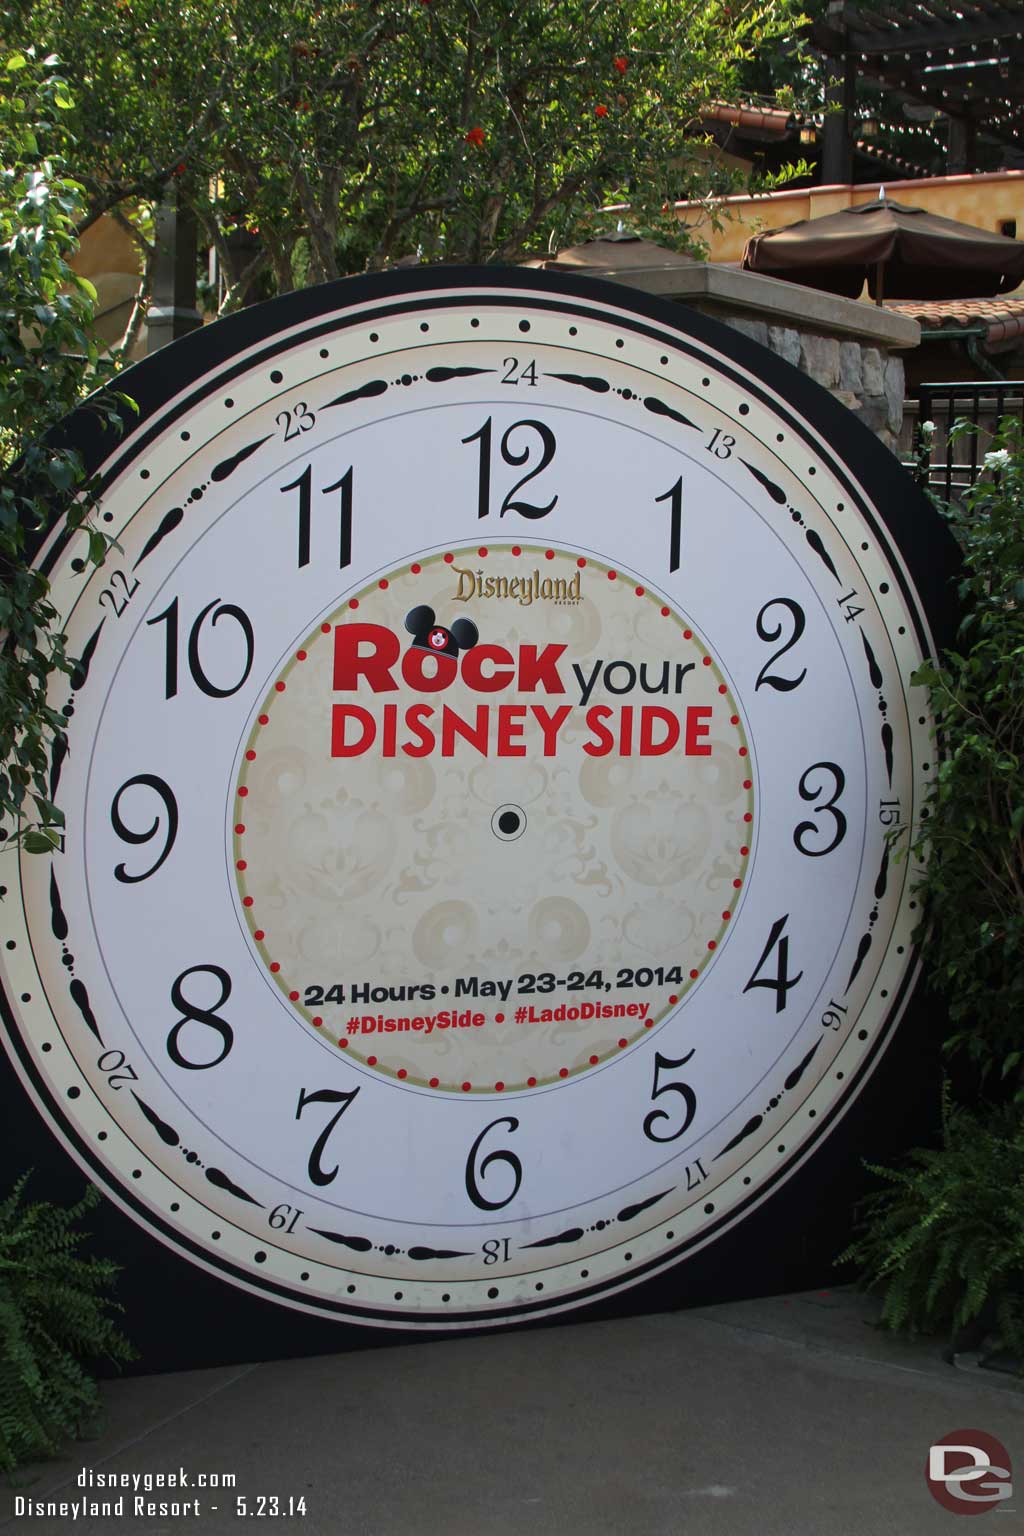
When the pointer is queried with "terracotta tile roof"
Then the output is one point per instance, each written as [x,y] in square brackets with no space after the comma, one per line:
[1002,317]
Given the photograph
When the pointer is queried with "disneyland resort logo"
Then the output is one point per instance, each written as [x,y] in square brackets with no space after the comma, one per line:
[519,589]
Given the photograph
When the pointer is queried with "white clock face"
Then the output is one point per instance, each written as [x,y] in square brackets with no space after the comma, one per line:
[479,887]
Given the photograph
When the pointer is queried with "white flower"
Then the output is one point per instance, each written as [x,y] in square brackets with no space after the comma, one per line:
[997,460]
[928,427]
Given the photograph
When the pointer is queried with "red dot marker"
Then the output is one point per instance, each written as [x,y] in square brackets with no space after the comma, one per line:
[712,944]
[318,1021]
[694,975]
[371,1061]
[294,996]
[612,575]
[516,550]
[737,885]
[747,784]
[581,562]
[638,591]
[401,1072]
[448,559]
[265,719]
[531,1082]
[499,1087]
[734,719]
[664,613]
[275,966]
[242,864]
[466,1087]
[280,686]
[743,751]
[707,661]
[482,552]
[726,916]
[434,1082]
[499,1018]
[300,655]
[416,568]
[594,1060]
[343,1043]
[622,1044]
[353,602]
[744,852]
[747,816]
[259,935]
[549,554]
[242,791]
[240,827]
[563,1071]
[687,634]
[722,688]
[673,998]
[246,901]
[325,629]
[250,756]
[383,584]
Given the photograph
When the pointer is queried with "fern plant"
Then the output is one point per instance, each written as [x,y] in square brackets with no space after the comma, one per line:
[944,1239]
[54,1318]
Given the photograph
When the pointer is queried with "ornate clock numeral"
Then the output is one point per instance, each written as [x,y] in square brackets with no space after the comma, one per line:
[317,1173]
[475,1175]
[675,496]
[808,792]
[170,805]
[781,982]
[483,437]
[304,486]
[206,1016]
[195,666]
[766,677]
[685,1092]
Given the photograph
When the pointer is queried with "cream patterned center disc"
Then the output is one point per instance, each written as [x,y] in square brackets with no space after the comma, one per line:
[516,857]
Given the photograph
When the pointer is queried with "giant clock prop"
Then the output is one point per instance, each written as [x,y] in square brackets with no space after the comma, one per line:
[488,786]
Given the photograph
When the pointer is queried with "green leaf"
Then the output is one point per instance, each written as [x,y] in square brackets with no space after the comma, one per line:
[40,842]
[16,61]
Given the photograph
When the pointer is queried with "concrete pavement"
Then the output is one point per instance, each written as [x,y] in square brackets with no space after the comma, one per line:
[791,1416]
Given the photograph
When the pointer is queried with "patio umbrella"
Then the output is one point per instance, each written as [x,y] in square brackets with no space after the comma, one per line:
[904,253]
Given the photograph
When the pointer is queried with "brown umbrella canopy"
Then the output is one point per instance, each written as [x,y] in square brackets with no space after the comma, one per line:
[904,253]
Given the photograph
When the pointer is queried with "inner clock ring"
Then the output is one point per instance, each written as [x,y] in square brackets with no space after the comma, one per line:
[384,890]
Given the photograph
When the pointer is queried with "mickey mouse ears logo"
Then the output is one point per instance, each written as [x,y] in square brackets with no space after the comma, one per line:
[428,635]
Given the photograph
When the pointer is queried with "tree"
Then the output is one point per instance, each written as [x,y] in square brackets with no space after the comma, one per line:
[49,358]
[316,140]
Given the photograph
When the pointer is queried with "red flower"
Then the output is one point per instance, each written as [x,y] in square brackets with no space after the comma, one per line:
[601,111]
[476,136]
[621,64]
[179,169]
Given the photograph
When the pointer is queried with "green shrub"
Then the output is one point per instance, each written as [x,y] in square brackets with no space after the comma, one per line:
[944,1240]
[54,1319]
[973,837]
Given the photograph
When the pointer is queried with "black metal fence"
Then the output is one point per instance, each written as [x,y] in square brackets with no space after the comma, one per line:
[948,463]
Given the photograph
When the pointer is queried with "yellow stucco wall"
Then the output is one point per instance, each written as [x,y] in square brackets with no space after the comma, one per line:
[985,201]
